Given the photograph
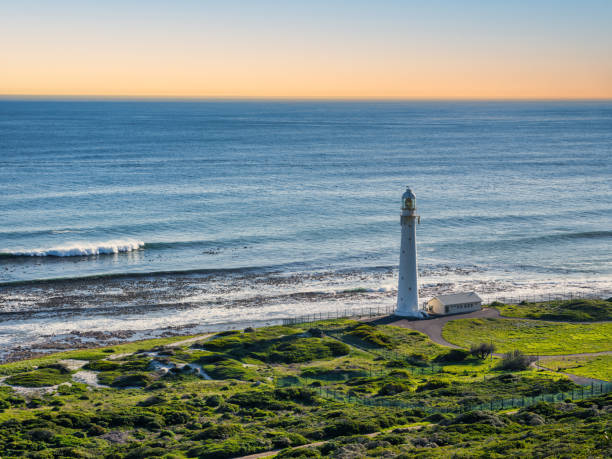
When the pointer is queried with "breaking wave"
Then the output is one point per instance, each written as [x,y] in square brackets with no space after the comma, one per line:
[80,249]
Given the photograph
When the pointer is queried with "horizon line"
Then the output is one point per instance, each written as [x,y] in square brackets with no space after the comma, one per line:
[168,98]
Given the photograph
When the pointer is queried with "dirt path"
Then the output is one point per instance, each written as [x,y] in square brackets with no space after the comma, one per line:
[190,340]
[318,443]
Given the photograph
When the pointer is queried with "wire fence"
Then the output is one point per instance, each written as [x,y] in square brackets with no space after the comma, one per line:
[387,310]
[544,297]
[376,311]
[581,393]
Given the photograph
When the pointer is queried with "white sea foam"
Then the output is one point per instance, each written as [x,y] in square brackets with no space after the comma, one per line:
[83,249]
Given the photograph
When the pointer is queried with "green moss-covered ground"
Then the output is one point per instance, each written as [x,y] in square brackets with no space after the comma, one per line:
[270,391]
[598,367]
[531,336]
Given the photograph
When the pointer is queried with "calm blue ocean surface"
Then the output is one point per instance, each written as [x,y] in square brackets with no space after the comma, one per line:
[303,185]
[258,210]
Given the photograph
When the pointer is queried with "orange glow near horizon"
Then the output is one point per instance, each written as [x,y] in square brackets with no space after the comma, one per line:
[337,52]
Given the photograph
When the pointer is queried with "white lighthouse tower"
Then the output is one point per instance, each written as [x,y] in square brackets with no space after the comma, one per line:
[408,286]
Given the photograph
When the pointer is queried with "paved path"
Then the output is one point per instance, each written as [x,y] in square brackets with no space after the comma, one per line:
[433,327]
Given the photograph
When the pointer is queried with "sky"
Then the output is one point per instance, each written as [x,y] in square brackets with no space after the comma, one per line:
[383,49]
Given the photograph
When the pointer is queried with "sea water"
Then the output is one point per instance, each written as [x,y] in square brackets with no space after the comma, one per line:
[256,199]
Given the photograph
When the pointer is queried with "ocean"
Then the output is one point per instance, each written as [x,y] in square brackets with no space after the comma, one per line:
[141,216]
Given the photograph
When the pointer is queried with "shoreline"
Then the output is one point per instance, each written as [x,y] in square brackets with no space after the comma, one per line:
[49,316]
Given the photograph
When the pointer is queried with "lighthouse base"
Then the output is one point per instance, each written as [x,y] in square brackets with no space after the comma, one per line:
[418,314]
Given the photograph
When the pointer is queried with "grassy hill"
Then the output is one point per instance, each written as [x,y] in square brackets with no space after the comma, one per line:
[354,390]
[567,311]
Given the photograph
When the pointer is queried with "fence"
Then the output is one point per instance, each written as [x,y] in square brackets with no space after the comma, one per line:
[341,314]
[542,297]
[492,405]
[387,310]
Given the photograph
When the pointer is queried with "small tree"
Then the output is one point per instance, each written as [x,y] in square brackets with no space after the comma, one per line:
[515,361]
[482,350]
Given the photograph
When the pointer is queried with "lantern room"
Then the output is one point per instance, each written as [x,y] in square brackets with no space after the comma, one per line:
[408,200]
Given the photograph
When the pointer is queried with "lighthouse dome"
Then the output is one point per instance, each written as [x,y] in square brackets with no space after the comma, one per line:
[408,199]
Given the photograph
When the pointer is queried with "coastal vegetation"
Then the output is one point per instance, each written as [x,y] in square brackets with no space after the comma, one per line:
[336,388]
[579,310]
[598,367]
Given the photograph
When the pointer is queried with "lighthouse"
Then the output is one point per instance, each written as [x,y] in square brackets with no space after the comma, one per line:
[408,286]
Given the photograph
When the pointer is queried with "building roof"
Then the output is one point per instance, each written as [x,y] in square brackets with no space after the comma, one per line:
[459,298]
[408,194]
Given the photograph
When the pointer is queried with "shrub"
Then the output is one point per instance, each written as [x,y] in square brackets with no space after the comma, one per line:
[393,389]
[39,378]
[95,430]
[433,384]
[482,350]
[213,400]
[454,355]
[371,335]
[305,350]
[145,452]
[344,427]
[315,332]
[44,435]
[515,361]
[102,365]
[133,380]
[230,369]
[301,394]
[153,400]
[231,447]
[478,417]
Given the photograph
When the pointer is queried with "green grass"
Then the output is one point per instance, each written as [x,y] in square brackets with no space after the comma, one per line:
[530,336]
[86,354]
[598,367]
[248,409]
[567,311]
[39,378]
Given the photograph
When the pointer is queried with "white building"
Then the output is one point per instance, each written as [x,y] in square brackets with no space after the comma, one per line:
[408,285]
[455,303]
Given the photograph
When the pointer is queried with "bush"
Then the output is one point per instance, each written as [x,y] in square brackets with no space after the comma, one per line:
[44,435]
[133,380]
[230,369]
[371,335]
[345,427]
[145,452]
[153,400]
[478,417]
[300,394]
[102,365]
[433,384]
[482,350]
[393,389]
[232,447]
[454,355]
[315,332]
[515,361]
[39,378]
[213,400]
